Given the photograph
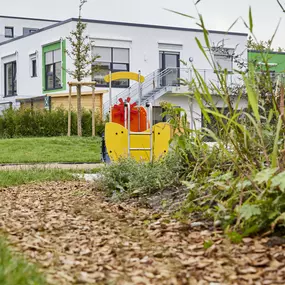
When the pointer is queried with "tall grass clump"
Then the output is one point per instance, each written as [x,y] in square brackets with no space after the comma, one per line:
[240,178]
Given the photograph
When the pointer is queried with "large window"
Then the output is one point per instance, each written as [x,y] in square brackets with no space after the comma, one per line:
[9,32]
[53,69]
[111,59]
[10,77]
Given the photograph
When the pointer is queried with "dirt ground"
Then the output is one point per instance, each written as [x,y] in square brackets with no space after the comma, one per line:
[77,237]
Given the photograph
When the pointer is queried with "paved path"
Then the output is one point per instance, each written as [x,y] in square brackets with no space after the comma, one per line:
[76,166]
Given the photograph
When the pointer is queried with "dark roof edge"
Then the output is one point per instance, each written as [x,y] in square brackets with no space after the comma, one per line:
[272,52]
[27,18]
[157,26]
[38,31]
[120,24]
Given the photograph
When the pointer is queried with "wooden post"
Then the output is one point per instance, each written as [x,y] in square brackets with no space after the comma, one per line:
[93,112]
[69,111]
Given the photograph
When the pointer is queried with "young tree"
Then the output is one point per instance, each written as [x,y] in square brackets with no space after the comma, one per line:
[82,58]
[262,45]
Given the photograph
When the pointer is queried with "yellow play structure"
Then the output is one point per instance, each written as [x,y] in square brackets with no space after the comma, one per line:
[130,131]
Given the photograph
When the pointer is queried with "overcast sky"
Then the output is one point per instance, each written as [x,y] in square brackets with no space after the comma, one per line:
[218,14]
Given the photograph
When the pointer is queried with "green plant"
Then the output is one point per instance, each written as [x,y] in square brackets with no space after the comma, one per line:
[14,270]
[239,179]
[42,123]
[130,178]
[19,177]
[207,244]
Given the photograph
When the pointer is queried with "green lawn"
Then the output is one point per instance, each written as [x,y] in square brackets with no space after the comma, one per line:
[54,149]
[14,270]
[19,177]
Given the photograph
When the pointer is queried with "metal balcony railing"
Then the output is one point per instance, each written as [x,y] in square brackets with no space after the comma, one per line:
[160,82]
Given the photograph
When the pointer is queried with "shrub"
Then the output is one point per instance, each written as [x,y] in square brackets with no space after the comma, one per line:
[130,178]
[240,180]
[42,123]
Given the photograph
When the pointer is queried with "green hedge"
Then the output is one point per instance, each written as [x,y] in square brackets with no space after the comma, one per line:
[43,123]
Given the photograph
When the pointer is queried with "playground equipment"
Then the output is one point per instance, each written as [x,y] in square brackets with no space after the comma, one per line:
[130,131]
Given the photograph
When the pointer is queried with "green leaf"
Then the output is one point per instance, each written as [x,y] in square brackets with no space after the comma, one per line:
[274,160]
[248,211]
[242,185]
[189,185]
[265,175]
[252,97]
[280,219]
[250,20]
[251,230]
[201,47]
[179,13]
[234,237]
[279,181]
[205,32]
[232,25]
[207,244]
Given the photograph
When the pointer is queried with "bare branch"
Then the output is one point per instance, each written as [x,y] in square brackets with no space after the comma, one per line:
[82,2]
[281,6]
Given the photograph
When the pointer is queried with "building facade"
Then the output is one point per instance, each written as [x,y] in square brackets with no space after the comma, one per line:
[13,27]
[35,64]
[275,60]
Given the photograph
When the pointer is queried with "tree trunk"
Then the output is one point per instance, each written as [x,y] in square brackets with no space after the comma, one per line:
[79,111]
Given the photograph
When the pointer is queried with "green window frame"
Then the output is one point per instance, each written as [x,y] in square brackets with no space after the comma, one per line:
[51,48]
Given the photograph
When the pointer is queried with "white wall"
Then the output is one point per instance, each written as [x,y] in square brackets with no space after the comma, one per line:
[19,24]
[28,86]
[185,103]
[144,44]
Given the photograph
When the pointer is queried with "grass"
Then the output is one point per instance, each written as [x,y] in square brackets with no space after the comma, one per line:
[46,150]
[19,177]
[14,270]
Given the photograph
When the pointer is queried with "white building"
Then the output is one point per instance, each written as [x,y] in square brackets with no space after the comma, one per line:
[34,64]
[13,27]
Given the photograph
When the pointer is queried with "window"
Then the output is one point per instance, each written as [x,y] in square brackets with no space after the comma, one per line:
[224,58]
[170,61]
[33,65]
[34,68]
[157,118]
[10,78]
[53,69]
[157,114]
[27,31]
[111,59]
[9,32]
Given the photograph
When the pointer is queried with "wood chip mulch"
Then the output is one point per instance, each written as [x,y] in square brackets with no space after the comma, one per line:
[77,237]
